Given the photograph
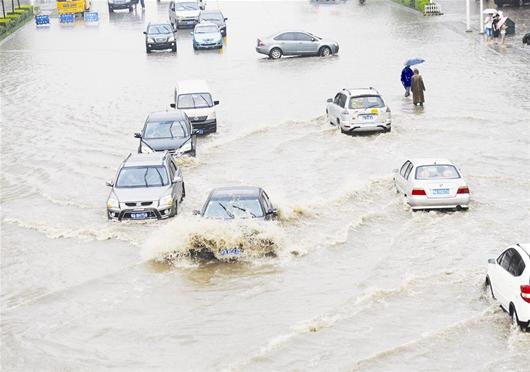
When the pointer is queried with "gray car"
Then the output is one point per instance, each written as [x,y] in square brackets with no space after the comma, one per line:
[293,43]
[146,186]
[238,202]
[168,131]
[215,17]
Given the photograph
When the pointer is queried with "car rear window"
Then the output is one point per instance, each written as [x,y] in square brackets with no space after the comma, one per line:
[436,172]
[366,102]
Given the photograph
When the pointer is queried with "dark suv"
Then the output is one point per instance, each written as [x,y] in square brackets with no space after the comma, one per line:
[160,36]
[515,3]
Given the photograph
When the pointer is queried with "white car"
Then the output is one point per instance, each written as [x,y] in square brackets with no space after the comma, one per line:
[432,184]
[185,13]
[508,281]
[195,99]
[359,110]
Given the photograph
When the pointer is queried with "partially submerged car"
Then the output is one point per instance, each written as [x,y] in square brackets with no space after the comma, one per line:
[296,43]
[432,184]
[195,99]
[508,282]
[227,203]
[206,35]
[184,13]
[160,36]
[168,131]
[359,110]
[214,16]
[146,186]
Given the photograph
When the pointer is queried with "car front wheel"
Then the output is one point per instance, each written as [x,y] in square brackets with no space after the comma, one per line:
[275,53]
[324,51]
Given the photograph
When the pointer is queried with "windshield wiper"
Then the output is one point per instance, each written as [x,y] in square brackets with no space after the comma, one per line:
[230,214]
[243,210]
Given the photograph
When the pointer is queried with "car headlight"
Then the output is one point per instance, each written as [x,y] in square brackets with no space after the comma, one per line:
[184,148]
[171,38]
[211,116]
[166,201]
[150,40]
[113,203]
[146,149]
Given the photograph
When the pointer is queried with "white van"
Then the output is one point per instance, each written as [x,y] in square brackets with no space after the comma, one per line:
[195,99]
[185,13]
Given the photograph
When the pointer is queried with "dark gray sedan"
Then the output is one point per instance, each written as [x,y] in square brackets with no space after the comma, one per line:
[294,43]
[168,131]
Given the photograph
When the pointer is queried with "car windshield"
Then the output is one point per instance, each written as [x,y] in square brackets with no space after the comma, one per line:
[165,129]
[436,172]
[159,29]
[366,102]
[195,100]
[206,29]
[233,208]
[146,176]
[187,6]
[211,17]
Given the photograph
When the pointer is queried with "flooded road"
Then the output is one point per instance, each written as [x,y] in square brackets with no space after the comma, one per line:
[360,282]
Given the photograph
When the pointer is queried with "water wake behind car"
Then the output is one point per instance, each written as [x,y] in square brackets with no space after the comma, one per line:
[195,239]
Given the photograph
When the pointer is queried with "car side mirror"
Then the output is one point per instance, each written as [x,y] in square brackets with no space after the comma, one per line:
[177,178]
[330,100]
[272,212]
[172,105]
[145,33]
[226,19]
[109,183]
[137,135]
[215,103]
[492,261]
[196,212]
[313,39]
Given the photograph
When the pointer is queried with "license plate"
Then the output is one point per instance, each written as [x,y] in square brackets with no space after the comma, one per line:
[440,191]
[230,252]
[139,216]
[367,117]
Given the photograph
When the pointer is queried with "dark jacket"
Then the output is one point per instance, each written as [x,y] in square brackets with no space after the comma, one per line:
[406,76]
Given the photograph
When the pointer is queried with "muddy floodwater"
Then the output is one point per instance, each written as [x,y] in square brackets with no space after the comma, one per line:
[359,281]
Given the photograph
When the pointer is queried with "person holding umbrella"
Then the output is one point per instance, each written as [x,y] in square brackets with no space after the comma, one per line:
[417,88]
[406,79]
[407,73]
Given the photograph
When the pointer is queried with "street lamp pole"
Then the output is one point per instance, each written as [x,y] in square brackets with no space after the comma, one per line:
[481,31]
[468,16]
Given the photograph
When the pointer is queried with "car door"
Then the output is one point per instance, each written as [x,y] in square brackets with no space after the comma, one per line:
[501,282]
[306,44]
[174,171]
[333,109]
[513,282]
[399,177]
[172,12]
[287,43]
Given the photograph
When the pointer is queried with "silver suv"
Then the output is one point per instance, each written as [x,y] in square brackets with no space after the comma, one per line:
[146,186]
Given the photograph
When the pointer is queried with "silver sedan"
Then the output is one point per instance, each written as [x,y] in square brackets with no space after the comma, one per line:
[296,43]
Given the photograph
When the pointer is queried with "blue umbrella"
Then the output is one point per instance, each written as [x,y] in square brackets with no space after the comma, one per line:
[414,61]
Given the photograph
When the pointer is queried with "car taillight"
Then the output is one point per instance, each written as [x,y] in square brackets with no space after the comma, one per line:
[260,43]
[418,192]
[463,190]
[525,293]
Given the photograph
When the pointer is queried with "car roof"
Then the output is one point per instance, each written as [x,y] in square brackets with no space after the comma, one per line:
[155,158]
[166,115]
[362,91]
[245,191]
[192,86]
[430,161]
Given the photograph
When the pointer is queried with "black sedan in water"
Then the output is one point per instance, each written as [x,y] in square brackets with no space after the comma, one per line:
[160,36]
[238,202]
[168,131]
